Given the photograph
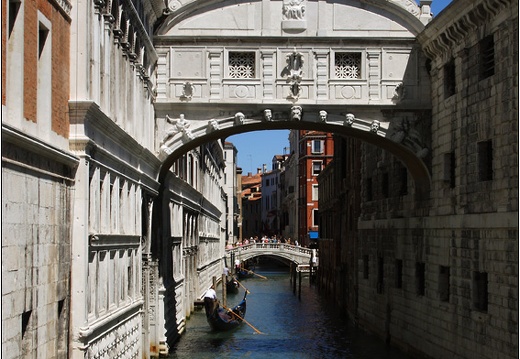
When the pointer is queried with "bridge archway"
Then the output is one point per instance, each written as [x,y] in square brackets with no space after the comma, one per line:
[395,138]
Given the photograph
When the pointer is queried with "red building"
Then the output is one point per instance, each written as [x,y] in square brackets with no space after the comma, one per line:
[315,151]
[251,204]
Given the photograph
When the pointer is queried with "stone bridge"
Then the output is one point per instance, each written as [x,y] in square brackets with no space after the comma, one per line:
[301,256]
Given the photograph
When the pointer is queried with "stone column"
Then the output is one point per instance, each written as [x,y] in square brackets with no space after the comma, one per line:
[374,75]
[79,258]
[269,75]
[322,74]
[215,74]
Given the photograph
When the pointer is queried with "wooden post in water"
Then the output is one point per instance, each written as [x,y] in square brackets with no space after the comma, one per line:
[224,291]
[300,285]
[293,275]
[310,271]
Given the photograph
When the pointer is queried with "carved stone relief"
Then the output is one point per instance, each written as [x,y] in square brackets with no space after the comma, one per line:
[296,113]
[177,125]
[293,16]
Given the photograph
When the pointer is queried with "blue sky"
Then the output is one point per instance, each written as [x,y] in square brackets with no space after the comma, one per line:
[259,147]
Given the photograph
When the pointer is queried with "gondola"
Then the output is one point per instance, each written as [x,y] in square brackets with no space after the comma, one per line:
[245,273]
[232,286]
[221,319]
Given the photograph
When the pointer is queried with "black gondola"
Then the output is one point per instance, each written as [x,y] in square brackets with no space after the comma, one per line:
[232,286]
[221,319]
[245,273]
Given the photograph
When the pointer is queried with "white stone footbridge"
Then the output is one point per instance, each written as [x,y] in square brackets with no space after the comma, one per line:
[300,256]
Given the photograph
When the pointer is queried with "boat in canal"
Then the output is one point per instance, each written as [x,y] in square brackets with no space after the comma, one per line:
[232,286]
[245,273]
[224,319]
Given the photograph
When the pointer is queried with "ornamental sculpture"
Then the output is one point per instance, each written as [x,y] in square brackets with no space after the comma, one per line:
[404,132]
[293,10]
[323,116]
[268,115]
[294,72]
[187,90]
[239,118]
[296,113]
[349,119]
[213,125]
[177,125]
[374,126]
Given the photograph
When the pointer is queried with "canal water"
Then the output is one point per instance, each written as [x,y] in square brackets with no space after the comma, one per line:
[291,328]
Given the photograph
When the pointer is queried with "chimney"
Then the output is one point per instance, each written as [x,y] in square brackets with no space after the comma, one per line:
[258,170]
[265,168]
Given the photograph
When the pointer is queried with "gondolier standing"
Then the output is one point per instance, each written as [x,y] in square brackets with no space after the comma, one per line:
[210,299]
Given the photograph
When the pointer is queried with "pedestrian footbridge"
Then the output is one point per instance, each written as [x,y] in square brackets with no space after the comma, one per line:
[301,256]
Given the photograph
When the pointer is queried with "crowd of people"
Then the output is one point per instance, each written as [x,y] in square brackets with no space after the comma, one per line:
[265,239]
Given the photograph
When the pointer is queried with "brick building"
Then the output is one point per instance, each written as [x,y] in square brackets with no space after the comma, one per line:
[315,152]
[37,179]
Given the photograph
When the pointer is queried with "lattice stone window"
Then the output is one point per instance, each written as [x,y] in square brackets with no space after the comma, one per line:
[242,65]
[347,65]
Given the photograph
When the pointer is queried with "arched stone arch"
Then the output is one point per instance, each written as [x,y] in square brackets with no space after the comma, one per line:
[401,136]
[282,255]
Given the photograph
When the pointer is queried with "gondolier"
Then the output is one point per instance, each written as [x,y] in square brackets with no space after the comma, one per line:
[210,299]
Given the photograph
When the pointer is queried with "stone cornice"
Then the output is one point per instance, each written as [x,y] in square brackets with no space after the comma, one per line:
[87,121]
[444,32]
[64,6]
[12,135]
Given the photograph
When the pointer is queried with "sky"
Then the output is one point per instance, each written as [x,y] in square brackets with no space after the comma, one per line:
[258,147]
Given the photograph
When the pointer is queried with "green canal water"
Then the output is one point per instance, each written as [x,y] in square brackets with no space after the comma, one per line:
[306,328]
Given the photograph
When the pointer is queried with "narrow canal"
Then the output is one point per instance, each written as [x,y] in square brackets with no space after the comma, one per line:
[291,328]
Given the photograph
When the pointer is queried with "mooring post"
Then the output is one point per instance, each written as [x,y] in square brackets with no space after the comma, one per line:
[224,291]
[294,279]
[300,285]
[310,271]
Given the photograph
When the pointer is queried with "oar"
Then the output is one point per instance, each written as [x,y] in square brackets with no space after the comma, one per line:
[261,276]
[240,284]
[239,317]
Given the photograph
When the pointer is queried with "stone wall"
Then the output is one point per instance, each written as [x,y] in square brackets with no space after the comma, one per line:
[439,278]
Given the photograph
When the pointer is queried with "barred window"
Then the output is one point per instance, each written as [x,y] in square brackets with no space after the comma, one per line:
[487,57]
[485,160]
[347,65]
[449,79]
[242,65]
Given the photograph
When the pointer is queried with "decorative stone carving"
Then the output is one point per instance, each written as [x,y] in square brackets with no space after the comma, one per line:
[268,115]
[294,73]
[187,90]
[323,116]
[349,119]
[374,126]
[399,92]
[213,125]
[293,10]
[296,113]
[239,118]
[405,133]
[293,16]
[177,125]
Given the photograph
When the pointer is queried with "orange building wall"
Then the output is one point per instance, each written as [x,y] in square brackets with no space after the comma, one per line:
[60,38]
[4,44]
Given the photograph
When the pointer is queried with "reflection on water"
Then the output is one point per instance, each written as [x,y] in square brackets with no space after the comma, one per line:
[290,328]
